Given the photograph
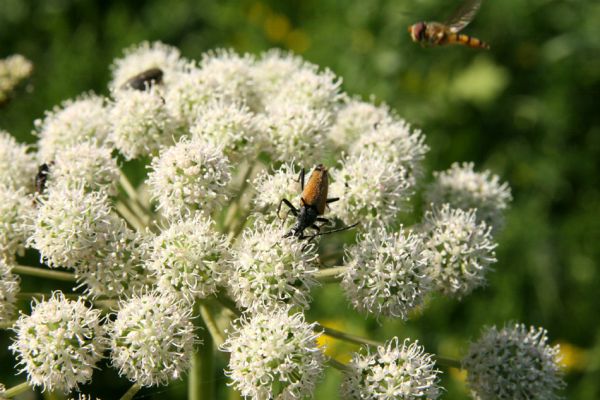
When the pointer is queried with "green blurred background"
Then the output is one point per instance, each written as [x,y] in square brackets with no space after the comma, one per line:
[528,110]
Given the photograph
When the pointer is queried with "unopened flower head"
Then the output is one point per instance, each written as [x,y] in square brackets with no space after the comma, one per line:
[75,121]
[281,184]
[232,125]
[188,177]
[9,288]
[141,122]
[144,56]
[16,213]
[189,257]
[370,188]
[72,226]
[355,119]
[296,131]
[385,273]
[13,70]
[268,270]
[18,167]
[513,363]
[461,250]
[395,142]
[59,344]
[274,356]
[85,164]
[396,371]
[462,187]
[152,338]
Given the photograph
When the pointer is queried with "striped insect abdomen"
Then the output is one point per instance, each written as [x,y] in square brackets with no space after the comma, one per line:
[470,41]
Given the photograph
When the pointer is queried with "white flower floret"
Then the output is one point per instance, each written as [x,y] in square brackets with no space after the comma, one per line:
[188,177]
[186,97]
[272,69]
[59,344]
[396,371]
[281,184]
[513,363]
[9,288]
[141,123]
[296,131]
[189,257]
[72,226]
[268,270]
[385,273]
[395,142]
[85,164]
[75,121]
[232,125]
[355,119]
[144,56]
[370,188]
[13,70]
[461,250]
[16,212]
[274,356]
[17,166]
[462,187]
[152,338]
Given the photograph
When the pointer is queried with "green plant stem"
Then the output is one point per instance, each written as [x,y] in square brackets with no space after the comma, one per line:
[235,205]
[129,216]
[132,193]
[228,303]
[16,390]
[44,273]
[338,365]
[211,324]
[129,394]
[448,362]
[348,337]
[201,384]
[329,275]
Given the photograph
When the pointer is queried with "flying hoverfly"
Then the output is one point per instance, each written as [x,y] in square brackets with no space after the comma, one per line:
[436,33]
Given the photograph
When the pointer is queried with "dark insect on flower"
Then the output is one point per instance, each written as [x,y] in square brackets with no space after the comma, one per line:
[41,177]
[436,33]
[313,202]
[145,79]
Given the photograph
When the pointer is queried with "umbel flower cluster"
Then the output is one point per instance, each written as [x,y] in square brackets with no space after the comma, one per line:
[200,250]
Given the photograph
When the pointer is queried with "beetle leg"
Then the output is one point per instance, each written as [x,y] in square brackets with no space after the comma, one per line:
[333,199]
[343,228]
[293,209]
[301,178]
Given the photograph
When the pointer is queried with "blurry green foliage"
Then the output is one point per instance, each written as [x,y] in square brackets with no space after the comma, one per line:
[528,110]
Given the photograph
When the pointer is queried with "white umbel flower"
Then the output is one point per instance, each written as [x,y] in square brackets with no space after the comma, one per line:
[13,70]
[75,121]
[513,363]
[16,212]
[461,250]
[186,97]
[189,257]
[355,119]
[396,371]
[296,131]
[463,188]
[141,123]
[385,273]
[9,288]
[144,56]
[17,165]
[268,269]
[281,184]
[232,125]
[152,338]
[188,177]
[71,226]
[272,70]
[370,188]
[59,344]
[274,356]
[85,164]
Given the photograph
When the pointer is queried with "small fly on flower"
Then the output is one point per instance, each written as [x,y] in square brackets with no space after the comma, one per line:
[436,33]
[313,202]
[145,79]
[42,177]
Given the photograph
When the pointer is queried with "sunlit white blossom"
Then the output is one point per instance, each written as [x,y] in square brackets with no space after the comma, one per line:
[13,70]
[152,338]
[274,356]
[16,212]
[271,187]
[9,288]
[59,344]
[398,370]
[356,118]
[514,363]
[17,166]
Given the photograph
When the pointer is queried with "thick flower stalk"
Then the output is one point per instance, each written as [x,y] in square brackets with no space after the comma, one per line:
[59,344]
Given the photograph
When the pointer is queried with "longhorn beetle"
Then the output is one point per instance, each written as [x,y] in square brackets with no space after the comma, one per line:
[144,79]
[313,202]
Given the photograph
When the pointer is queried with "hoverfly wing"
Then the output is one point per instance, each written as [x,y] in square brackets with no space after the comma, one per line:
[463,15]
